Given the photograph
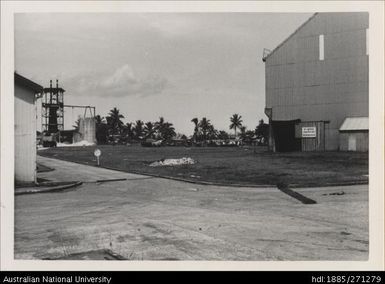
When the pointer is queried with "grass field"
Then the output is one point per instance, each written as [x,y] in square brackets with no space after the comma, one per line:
[227,165]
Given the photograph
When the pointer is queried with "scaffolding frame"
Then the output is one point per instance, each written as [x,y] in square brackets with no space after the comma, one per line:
[52,115]
[92,109]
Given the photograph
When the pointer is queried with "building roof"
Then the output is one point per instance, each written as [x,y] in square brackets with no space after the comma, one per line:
[27,83]
[355,123]
[290,36]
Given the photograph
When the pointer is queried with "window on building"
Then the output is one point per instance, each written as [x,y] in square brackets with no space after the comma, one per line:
[321,47]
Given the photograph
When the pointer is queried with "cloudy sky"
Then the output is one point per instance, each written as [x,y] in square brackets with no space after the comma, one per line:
[178,66]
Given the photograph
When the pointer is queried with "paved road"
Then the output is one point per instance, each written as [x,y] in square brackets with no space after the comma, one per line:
[158,219]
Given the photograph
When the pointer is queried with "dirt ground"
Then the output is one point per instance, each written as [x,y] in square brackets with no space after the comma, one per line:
[144,218]
[228,165]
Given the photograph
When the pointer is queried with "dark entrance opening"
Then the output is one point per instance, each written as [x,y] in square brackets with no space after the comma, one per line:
[284,136]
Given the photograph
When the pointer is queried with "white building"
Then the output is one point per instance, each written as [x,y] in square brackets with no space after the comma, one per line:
[26,93]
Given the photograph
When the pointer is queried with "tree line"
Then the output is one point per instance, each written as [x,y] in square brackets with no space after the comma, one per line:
[111,129]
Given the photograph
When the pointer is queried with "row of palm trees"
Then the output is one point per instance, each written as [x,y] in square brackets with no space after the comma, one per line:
[204,130]
[139,130]
[112,127]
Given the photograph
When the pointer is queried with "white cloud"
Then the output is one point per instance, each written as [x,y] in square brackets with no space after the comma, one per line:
[120,78]
[122,82]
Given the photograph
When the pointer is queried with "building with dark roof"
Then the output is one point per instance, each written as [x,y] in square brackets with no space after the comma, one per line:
[315,80]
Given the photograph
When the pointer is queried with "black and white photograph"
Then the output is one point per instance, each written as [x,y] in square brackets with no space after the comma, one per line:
[174,136]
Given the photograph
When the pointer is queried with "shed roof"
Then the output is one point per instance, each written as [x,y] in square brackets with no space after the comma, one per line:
[355,123]
[27,83]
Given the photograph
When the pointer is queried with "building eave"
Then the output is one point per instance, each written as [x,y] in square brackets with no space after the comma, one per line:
[27,83]
[289,37]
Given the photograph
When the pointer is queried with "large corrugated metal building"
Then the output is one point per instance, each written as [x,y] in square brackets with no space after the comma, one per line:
[25,129]
[315,80]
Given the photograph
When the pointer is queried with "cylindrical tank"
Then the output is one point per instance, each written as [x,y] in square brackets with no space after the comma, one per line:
[87,129]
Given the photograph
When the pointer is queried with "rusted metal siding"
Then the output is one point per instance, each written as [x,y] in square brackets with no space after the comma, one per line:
[25,135]
[300,86]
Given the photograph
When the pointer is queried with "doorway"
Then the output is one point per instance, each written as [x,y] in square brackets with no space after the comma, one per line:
[284,136]
[352,143]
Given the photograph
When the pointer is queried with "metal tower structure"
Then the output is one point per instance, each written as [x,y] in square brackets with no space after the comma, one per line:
[53,109]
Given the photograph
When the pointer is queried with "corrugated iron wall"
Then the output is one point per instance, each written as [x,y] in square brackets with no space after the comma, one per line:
[312,144]
[361,137]
[300,86]
[25,135]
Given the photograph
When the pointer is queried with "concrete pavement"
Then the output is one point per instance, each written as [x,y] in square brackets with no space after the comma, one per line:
[65,171]
[144,218]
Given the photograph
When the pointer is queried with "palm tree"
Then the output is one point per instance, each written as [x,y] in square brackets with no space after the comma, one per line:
[204,126]
[212,132]
[149,129]
[243,133]
[99,120]
[158,127]
[248,137]
[101,129]
[243,130]
[114,121]
[196,128]
[236,122]
[168,131]
[223,135]
[138,129]
[128,131]
[164,130]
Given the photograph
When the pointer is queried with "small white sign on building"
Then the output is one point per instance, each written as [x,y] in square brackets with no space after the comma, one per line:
[309,132]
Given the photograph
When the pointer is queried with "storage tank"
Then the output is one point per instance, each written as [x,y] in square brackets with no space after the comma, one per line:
[87,129]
